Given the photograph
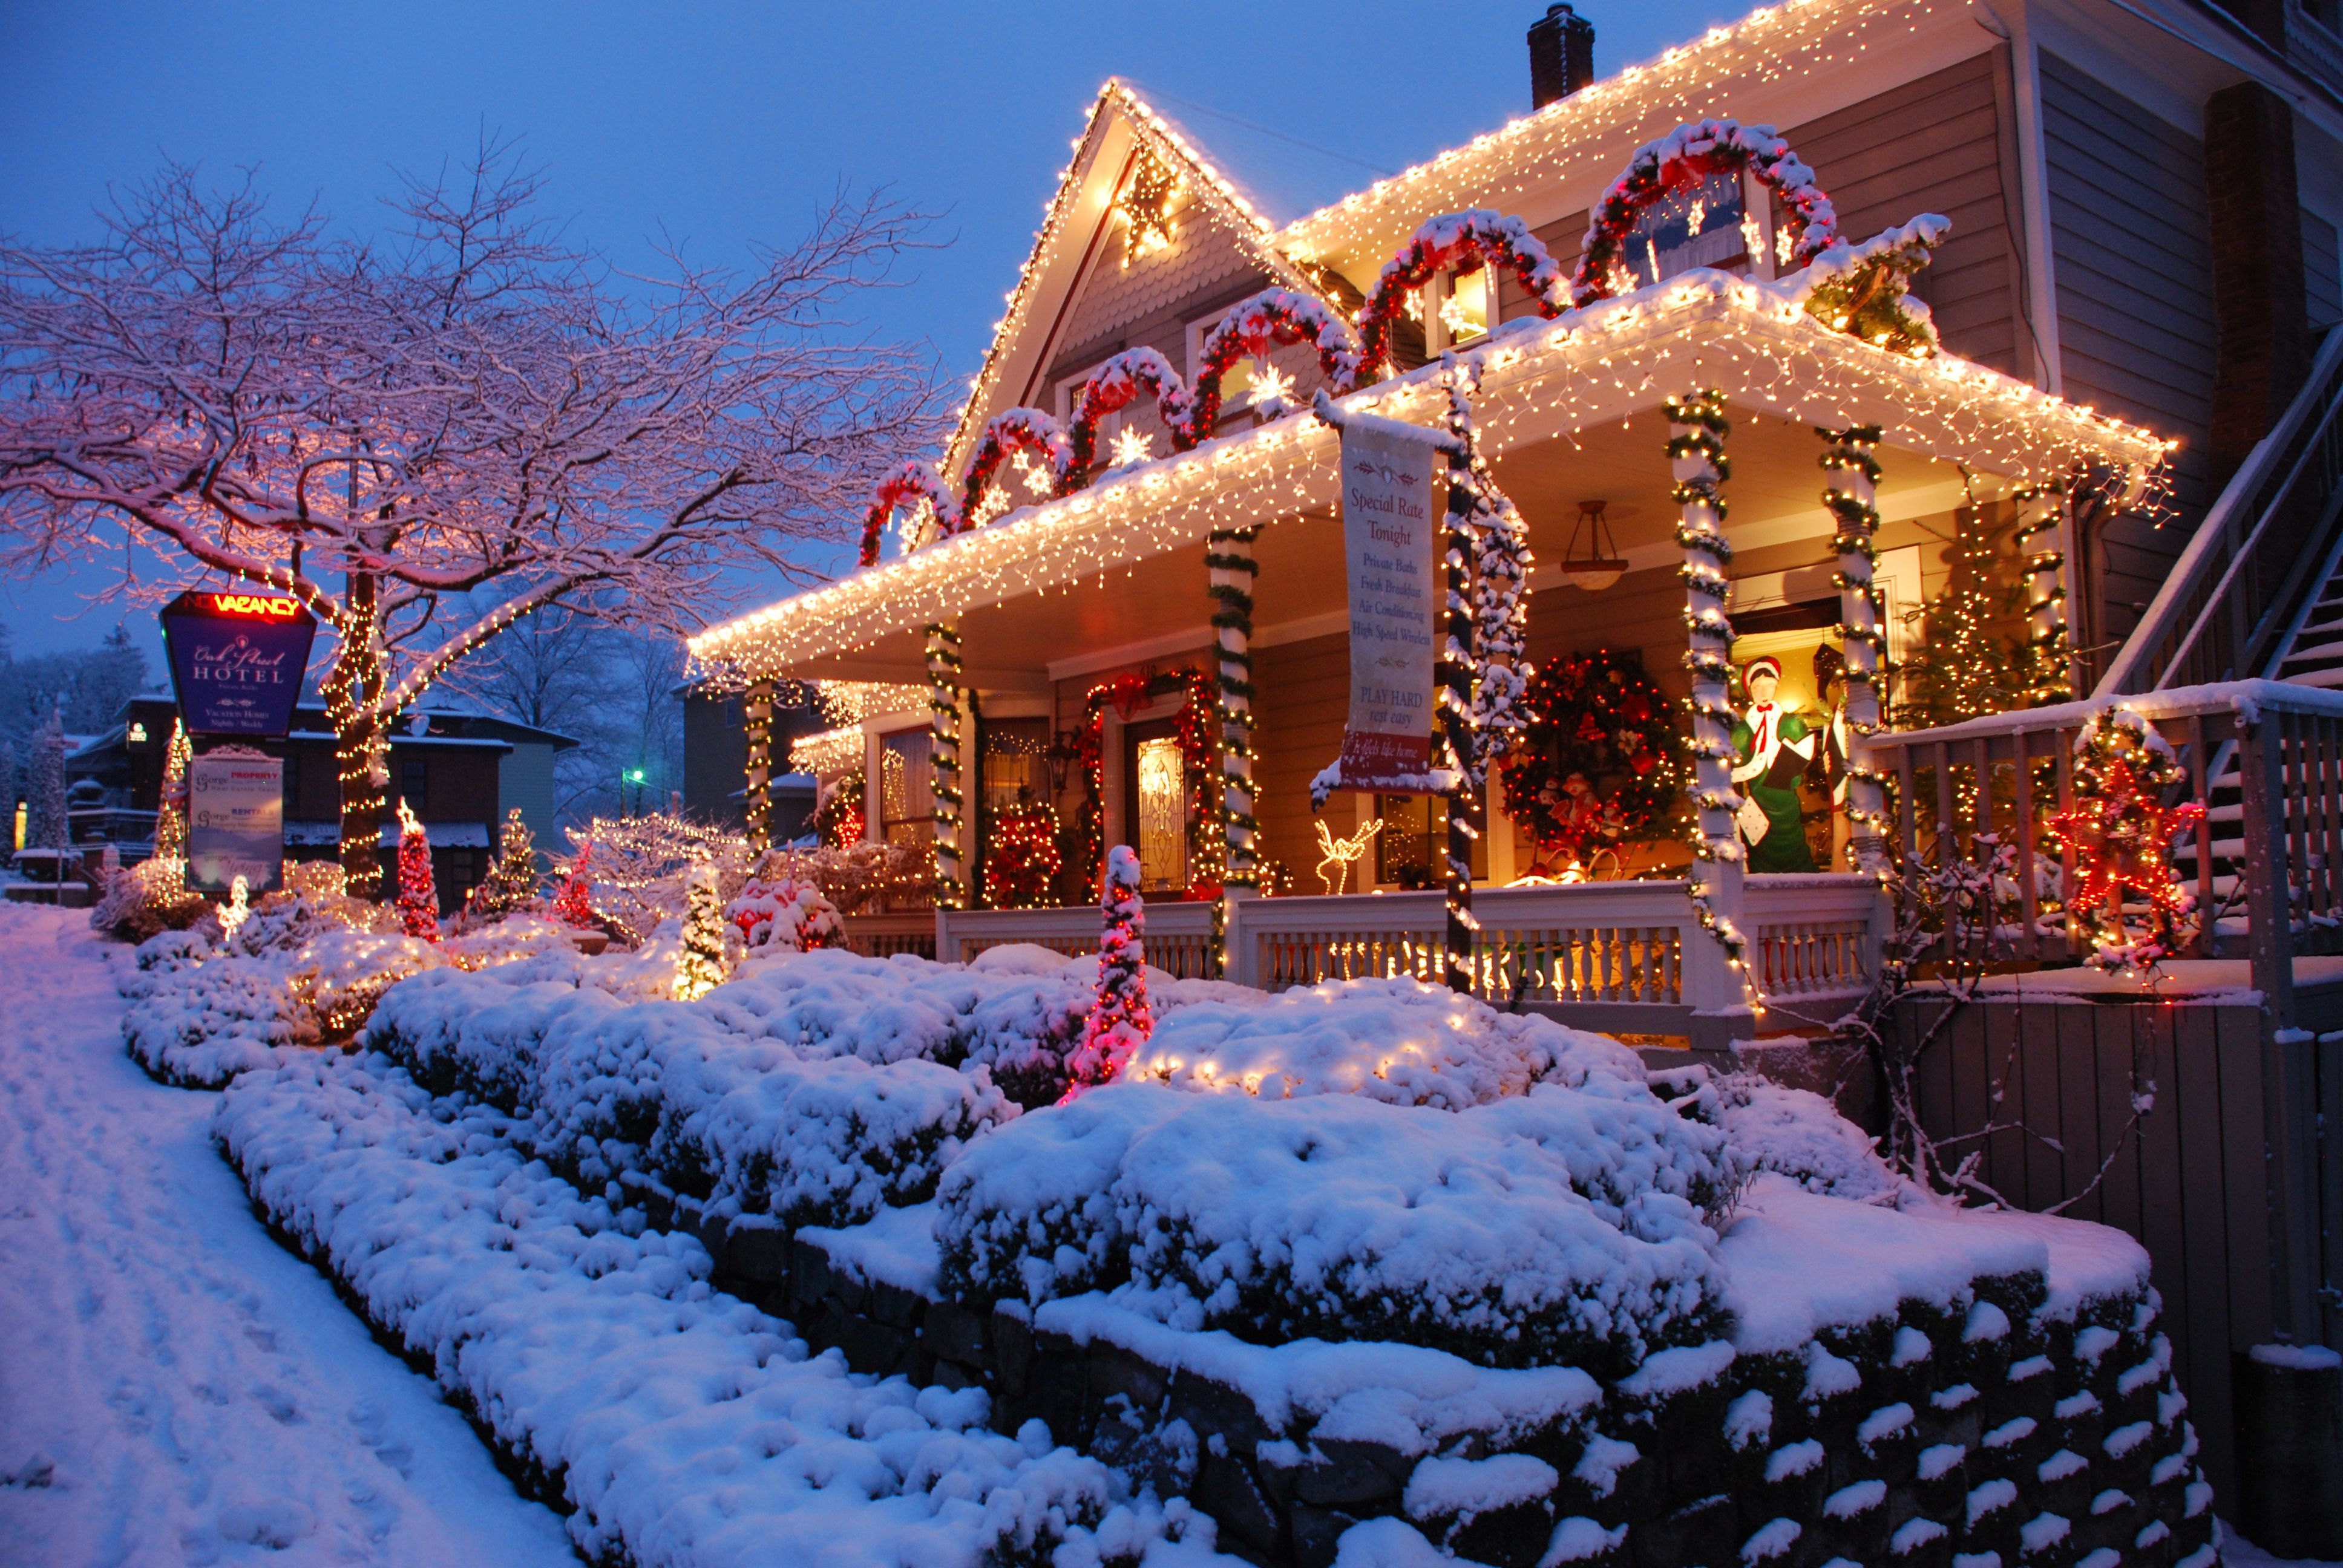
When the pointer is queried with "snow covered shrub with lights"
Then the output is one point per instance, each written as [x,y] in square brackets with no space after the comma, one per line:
[783,914]
[1121,1021]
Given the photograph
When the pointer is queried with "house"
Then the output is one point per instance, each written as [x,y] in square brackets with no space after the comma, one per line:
[460,771]
[716,761]
[2106,463]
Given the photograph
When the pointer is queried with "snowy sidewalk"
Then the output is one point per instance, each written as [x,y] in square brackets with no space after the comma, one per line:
[174,1386]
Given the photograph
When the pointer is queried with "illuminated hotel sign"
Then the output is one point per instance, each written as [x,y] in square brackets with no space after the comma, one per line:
[237,659]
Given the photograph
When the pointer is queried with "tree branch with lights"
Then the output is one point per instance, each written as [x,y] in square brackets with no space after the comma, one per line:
[464,421]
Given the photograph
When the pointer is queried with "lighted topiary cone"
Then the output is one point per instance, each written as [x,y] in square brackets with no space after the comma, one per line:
[701,968]
[418,895]
[1122,1020]
[511,882]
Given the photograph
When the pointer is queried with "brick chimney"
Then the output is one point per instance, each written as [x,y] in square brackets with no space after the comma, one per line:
[1561,54]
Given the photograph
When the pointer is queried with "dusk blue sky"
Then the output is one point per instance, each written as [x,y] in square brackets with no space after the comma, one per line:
[724,124]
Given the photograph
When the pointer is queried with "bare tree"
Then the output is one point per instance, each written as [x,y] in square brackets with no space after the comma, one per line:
[468,411]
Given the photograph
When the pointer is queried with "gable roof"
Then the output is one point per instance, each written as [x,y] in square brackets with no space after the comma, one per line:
[1121,127]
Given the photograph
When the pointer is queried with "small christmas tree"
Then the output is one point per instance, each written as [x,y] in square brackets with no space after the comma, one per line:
[575,906]
[1122,1020]
[511,882]
[418,896]
[171,810]
[700,967]
[1965,670]
[2121,833]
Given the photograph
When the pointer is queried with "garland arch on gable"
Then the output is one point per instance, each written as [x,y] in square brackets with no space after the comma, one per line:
[910,484]
[1111,387]
[1680,161]
[1466,241]
[1269,320]
[1010,431]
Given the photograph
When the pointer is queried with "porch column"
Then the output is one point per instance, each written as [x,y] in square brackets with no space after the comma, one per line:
[757,729]
[1851,494]
[1715,969]
[943,735]
[2041,539]
[1455,679]
[1232,568]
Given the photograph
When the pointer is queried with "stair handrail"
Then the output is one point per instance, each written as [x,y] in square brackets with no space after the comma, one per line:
[2243,497]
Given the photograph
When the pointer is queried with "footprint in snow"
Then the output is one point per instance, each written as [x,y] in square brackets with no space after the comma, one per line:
[276,1524]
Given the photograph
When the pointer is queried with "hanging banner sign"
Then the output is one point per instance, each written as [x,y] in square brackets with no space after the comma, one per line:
[235,822]
[1390,485]
[238,660]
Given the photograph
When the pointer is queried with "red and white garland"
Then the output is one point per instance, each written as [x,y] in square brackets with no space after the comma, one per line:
[1466,242]
[1681,161]
[1112,387]
[906,485]
[1269,320]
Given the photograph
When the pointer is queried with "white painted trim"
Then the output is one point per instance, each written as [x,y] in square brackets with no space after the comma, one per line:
[1303,630]
[1140,652]
[2034,202]
[1021,705]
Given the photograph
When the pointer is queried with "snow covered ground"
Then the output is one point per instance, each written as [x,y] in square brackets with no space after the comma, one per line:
[174,1387]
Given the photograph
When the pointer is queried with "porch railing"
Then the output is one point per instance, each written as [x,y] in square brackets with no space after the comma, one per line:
[1624,957]
[1180,937]
[878,936]
[2266,864]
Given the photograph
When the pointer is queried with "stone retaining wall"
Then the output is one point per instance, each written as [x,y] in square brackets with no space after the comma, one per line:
[1992,1436]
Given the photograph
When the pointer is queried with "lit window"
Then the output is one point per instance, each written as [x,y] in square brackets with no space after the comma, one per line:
[1469,306]
[907,800]
[1684,230]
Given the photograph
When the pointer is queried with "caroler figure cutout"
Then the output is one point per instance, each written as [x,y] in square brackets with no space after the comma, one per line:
[1775,746]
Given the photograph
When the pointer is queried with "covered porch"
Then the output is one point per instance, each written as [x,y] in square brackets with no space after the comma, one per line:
[1079,656]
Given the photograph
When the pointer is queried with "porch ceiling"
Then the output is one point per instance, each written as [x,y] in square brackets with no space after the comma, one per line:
[1569,410]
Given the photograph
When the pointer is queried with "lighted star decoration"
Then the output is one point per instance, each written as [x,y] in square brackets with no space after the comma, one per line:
[1130,446]
[1274,387]
[1037,480]
[1145,206]
[2121,838]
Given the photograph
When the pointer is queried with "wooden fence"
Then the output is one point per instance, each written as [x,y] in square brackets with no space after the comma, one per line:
[2224,1177]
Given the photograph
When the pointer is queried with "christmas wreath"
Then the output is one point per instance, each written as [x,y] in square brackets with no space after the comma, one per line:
[1601,760]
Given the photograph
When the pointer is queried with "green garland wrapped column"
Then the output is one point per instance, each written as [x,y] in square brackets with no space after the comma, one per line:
[1232,570]
[944,761]
[1455,684]
[757,729]
[1851,494]
[1696,432]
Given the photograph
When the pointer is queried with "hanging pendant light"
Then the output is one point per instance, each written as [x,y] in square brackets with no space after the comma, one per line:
[1592,561]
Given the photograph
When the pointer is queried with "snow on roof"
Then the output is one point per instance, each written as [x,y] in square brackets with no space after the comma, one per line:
[1751,337]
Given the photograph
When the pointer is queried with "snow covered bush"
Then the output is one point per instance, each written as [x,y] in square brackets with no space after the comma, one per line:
[786,913]
[1796,1133]
[1400,1040]
[147,899]
[675,1425]
[1559,1226]
[200,1013]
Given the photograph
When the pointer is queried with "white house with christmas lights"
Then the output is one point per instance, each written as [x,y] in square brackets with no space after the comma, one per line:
[1976,281]
[1838,415]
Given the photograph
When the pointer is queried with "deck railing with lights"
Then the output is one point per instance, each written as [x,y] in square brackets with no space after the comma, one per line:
[2266,864]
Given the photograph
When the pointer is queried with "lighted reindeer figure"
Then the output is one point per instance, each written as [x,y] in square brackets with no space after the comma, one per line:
[1340,853]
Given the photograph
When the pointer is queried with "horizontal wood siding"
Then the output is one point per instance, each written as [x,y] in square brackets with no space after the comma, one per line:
[2129,238]
[1934,145]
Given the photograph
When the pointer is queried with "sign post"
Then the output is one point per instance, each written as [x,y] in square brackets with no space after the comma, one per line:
[235,821]
[236,664]
[1389,492]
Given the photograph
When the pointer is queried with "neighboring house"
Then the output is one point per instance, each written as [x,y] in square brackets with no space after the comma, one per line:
[716,759]
[459,771]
